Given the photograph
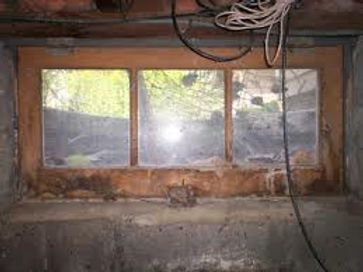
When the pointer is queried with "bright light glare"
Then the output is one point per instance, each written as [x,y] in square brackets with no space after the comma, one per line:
[172,133]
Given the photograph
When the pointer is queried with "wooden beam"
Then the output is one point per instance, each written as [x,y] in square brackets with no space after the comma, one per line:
[312,16]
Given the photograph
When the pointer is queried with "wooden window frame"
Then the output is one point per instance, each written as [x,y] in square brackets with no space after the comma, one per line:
[219,181]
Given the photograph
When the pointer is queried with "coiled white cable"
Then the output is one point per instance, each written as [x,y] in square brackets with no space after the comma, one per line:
[256,15]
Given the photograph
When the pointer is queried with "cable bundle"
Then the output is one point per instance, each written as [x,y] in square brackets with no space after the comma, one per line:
[255,15]
[197,50]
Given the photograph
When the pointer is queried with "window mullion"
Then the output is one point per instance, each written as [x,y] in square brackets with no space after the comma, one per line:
[133,117]
[228,126]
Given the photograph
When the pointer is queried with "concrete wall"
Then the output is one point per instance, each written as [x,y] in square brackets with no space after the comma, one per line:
[7,84]
[245,234]
[355,124]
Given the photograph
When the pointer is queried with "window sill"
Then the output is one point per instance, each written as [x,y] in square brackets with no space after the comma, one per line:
[157,211]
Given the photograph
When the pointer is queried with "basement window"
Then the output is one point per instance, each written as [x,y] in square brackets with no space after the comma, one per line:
[143,119]
[86,118]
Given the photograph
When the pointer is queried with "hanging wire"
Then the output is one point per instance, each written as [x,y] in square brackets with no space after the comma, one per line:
[289,176]
[197,50]
[124,6]
[252,15]
[209,8]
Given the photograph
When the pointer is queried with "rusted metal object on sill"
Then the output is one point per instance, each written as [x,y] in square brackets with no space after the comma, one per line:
[182,196]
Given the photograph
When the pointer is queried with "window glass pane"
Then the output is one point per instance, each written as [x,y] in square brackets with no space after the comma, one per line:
[181,115]
[257,122]
[85,117]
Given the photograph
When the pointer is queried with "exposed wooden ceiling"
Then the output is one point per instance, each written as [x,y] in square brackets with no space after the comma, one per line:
[321,16]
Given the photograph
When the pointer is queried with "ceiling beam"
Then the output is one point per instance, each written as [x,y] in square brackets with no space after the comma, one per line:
[80,21]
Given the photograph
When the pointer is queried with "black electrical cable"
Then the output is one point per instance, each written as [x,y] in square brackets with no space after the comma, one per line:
[209,6]
[206,11]
[290,181]
[198,50]
[125,6]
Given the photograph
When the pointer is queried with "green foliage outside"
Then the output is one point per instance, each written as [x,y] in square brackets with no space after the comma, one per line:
[268,107]
[272,106]
[94,92]
[171,94]
[78,160]
[177,94]
[184,94]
